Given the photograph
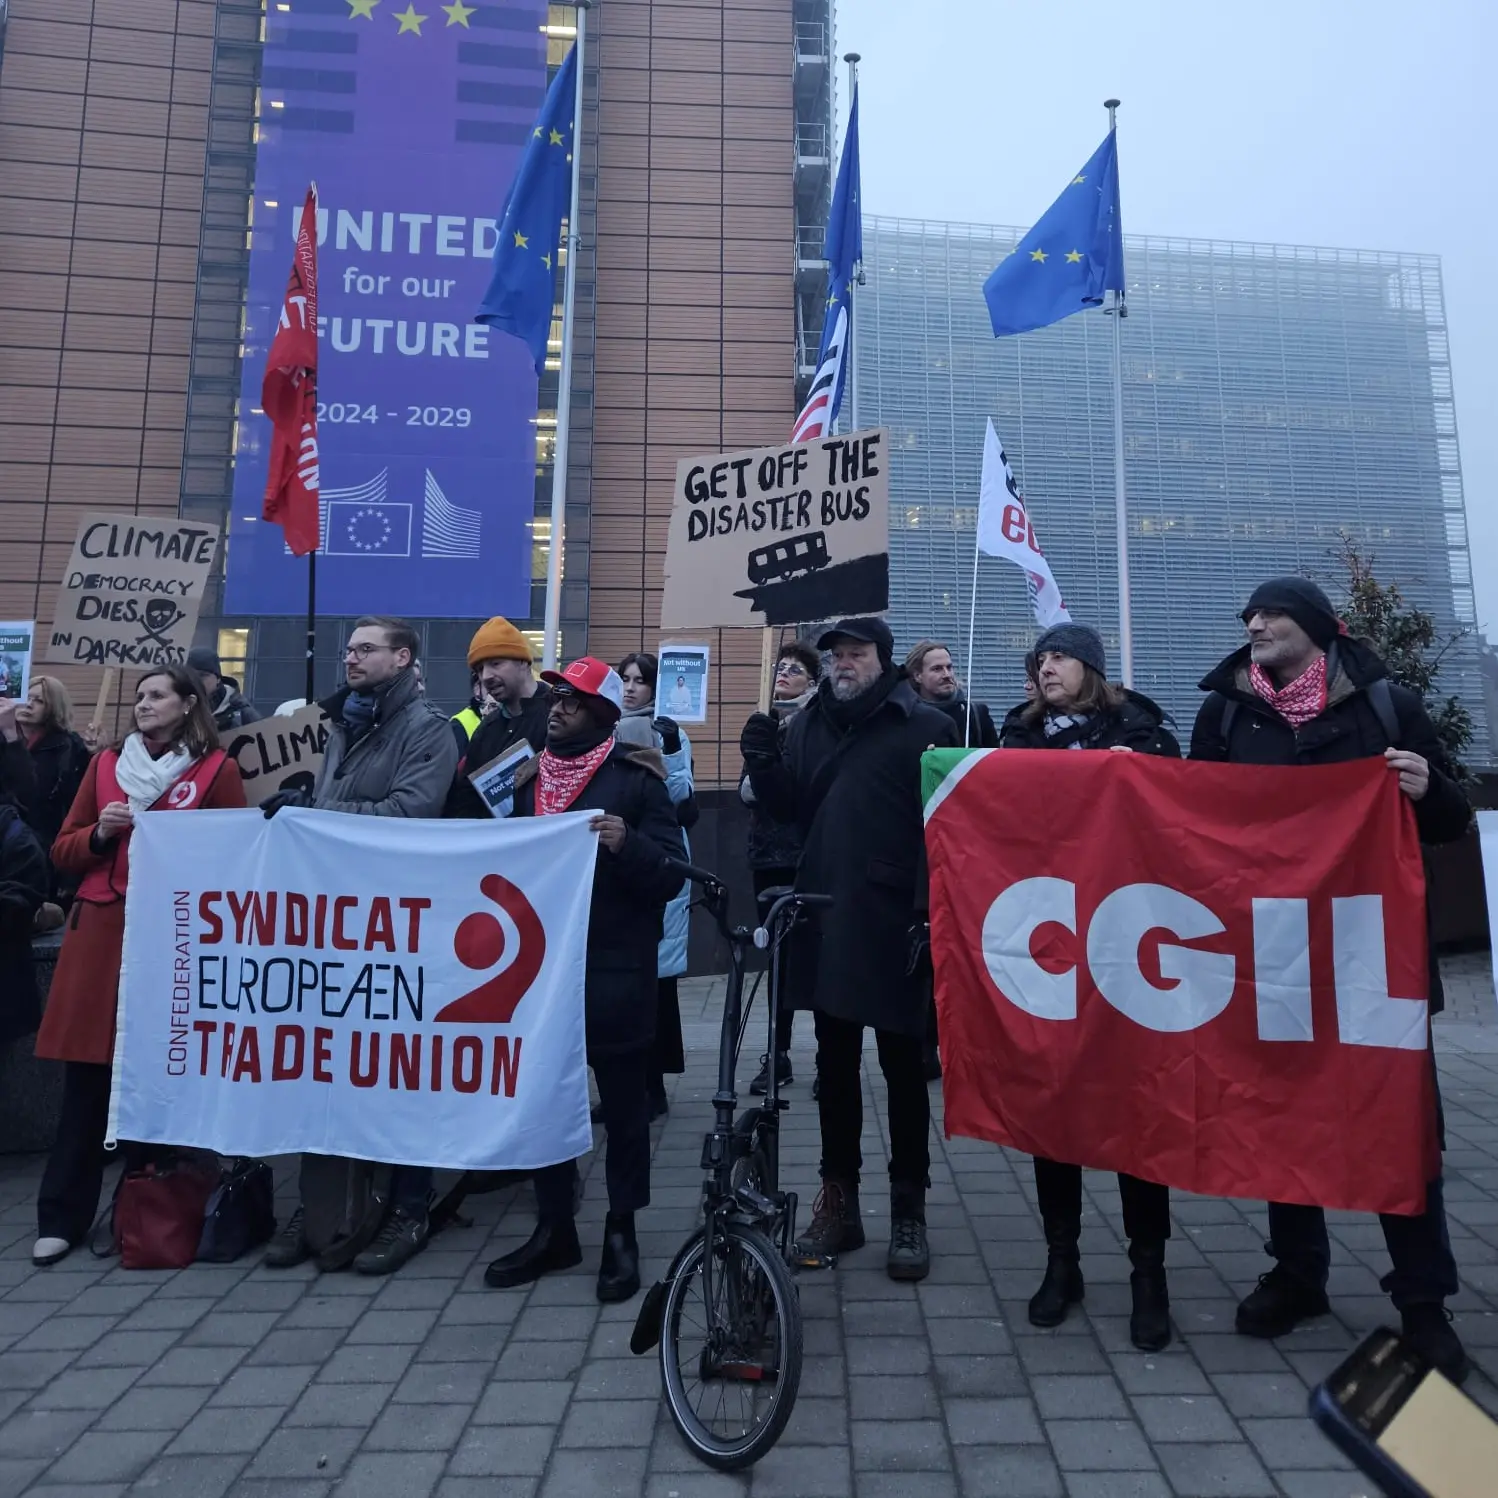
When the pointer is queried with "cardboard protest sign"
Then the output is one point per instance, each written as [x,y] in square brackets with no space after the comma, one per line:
[17,637]
[279,754]
[131,594]
[681,689]
[780,535]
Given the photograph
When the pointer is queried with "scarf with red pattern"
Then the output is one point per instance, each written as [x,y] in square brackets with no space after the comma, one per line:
[1300,701]
[560,781]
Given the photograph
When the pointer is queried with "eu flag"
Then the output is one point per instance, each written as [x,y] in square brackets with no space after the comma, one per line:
[1069,259]
[522,291]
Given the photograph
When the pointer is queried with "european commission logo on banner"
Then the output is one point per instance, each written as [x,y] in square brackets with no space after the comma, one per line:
[359,986]
[363,521]
[426,419]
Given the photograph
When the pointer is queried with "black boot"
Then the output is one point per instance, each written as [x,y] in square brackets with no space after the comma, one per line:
[1428,1327]
[619,1273]
[1149,1322]
[909,1255]
[1062,1286]
[552,1246]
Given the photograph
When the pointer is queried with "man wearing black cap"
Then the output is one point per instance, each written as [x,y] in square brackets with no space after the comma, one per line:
[229,706]
[849,776]
[1301,692]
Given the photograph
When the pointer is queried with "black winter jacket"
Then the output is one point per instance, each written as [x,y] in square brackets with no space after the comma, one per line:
[496,734]
[1348,729]
[1139,724]
[24,878]
[856,796]
[58,760]
[231,708]
[631,889]
[981,734]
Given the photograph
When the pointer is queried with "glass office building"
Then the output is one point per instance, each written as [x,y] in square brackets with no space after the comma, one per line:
[1274,397]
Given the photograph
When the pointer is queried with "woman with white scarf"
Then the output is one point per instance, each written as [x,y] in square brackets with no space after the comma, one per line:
[639,725]
[171,762]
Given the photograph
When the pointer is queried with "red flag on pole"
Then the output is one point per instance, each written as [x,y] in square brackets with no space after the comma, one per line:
[289,397]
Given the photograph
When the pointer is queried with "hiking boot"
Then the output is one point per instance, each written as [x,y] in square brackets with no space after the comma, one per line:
[1280,1304]
[1427,1328]
[836,1228]
[909,1255]
[619,1273]
[552,1246]
[401,1237]
[783,1074]
[1149,1321]
[289,1246]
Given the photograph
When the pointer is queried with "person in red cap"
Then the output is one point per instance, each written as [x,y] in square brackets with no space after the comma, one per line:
[584,768]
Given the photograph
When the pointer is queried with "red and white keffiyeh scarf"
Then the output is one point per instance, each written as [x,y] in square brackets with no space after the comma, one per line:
[1300,701]
[559,781]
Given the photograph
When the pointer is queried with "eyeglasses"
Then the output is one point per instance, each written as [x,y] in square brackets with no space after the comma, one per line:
[790,668]
[363,652]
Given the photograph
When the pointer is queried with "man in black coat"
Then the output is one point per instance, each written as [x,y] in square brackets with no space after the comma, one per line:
[584,768]
[934,677]
[1302,693]
[849,774]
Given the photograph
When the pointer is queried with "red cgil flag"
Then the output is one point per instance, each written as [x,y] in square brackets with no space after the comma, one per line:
[289,397]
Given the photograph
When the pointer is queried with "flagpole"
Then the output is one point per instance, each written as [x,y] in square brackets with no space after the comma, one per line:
[312,555]
[1120,499]
[852,59]
[551,643]
[972,630]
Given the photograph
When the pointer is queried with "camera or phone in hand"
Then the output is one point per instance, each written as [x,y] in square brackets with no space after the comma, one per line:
[1407,1426]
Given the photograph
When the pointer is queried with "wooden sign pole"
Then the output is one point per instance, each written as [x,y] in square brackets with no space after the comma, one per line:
[766,668]
[106,687]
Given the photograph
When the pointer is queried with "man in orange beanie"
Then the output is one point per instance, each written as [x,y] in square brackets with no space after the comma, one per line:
[500,658]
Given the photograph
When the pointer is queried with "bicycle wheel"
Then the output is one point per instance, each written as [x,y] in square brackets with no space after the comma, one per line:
[731,1346]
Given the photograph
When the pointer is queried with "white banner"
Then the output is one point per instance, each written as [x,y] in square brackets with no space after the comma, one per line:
[1004,530]
[403,991]
[1487,835]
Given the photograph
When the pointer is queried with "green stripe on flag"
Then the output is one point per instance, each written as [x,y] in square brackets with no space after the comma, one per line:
[936,766]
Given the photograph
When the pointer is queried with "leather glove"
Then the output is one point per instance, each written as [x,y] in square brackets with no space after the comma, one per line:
[670,734]
[272,804]
[760,738]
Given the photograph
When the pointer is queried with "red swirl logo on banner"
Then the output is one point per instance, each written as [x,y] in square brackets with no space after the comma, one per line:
[479,943]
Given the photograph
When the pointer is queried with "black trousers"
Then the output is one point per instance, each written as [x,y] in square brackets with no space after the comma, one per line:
[1146,1206]
[839,1062]
[626,1120]
[68,1200]
[785,1019]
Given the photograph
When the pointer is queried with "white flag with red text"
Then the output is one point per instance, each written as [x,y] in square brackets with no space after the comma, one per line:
[396,990]
[1004,530]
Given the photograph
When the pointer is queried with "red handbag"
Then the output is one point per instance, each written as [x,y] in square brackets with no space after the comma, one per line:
[159,1213]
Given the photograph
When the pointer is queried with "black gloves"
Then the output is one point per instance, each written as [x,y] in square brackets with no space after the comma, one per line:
[670,734]
[272,804]
[760,738]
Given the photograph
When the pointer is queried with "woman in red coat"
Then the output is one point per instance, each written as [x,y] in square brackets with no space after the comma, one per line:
[172,762]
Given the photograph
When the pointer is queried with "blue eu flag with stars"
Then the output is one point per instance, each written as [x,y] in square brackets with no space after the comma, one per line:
[1069,259]
[522,292]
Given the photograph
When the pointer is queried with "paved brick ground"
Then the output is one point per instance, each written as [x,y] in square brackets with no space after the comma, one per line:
[235,1380]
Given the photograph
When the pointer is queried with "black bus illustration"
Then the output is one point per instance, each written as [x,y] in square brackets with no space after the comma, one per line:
[799,556]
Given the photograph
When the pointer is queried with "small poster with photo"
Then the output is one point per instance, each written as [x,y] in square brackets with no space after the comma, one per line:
[681,687]
[16,639]
[495,782]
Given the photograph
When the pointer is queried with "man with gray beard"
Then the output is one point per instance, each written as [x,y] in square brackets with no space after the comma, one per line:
[849,776]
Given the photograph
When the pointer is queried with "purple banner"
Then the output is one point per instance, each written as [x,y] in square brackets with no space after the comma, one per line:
[411,122]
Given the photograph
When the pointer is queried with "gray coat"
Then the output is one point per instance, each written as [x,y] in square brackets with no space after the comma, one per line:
[404,765]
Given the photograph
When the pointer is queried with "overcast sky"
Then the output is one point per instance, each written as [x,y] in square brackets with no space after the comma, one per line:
[1320,122]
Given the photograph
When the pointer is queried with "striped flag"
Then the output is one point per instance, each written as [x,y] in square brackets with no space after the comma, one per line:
[844,251]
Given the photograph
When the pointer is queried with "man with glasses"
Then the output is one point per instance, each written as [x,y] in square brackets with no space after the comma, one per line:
[1302,692]
[775,846]
[390,754]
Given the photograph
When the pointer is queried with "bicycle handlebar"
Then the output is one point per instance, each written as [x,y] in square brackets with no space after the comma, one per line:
[715,897]
[695,875]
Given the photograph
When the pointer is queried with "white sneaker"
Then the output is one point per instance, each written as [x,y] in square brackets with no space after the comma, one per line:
[50,1250]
